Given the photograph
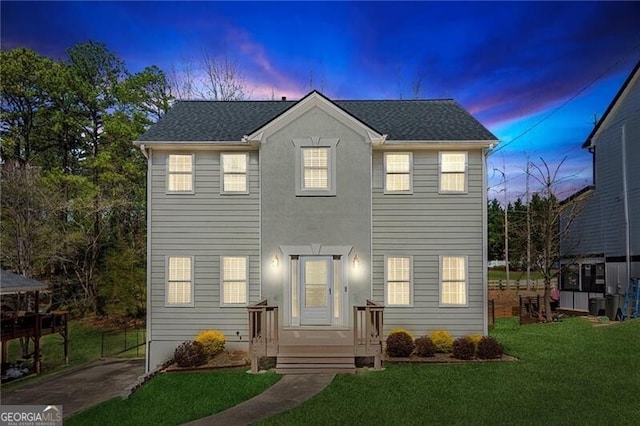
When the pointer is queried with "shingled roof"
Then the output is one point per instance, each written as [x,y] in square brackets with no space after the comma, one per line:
[400,120]
[14,283]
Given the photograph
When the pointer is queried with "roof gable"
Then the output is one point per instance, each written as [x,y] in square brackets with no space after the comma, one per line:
[314,100]
[631,80]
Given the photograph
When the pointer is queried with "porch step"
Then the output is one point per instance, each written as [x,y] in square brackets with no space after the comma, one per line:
[315,359]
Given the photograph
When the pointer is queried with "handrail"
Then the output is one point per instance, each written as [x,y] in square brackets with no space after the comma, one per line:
[368,330]
[263,331]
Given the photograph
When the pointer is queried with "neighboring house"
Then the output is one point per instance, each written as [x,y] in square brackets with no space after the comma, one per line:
[603,249]
[316,206]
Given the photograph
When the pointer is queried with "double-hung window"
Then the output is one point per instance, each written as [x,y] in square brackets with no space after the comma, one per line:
[233,280]
[453,172]
[234,173]
[398,167]
[453,281]
[399,281]
[315,167]
[179,281]
[180,173]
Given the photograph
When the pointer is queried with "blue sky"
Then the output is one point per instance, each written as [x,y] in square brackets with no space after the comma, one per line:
[535,73]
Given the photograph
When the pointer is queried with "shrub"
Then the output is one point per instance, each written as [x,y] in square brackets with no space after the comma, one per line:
[400,330]
[463,348]
[475,338]
[489,348]
[189,354]
[399,344]
[443,340]
[425,347]
[212,340]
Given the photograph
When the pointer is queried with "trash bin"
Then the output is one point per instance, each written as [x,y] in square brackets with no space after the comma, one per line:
[597,306]
[612,303]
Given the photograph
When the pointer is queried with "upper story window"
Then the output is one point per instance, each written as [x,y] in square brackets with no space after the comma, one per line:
[316,166]
[453,281]
[179,281]
[453,172]
[398,168]
[233,280]
[234,173]
[399,280]
[180,173]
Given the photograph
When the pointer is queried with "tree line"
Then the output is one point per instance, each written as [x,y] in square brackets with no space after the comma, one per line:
[73,204]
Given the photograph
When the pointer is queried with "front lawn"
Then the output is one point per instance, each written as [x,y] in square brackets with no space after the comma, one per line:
[568,373]
[176,398]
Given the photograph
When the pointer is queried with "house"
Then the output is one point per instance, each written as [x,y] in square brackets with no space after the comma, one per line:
[602,251]
[330,213]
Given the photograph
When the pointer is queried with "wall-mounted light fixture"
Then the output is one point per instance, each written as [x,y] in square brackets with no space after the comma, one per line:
[275,262]
[356,261]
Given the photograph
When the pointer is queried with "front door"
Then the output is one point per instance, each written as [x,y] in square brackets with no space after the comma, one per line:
[315,290]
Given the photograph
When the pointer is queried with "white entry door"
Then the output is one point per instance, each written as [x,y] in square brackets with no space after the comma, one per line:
[315,290]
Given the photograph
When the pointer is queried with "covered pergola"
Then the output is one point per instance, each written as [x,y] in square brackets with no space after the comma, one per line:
[28,320]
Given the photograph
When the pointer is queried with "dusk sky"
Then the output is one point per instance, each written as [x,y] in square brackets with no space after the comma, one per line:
[534,73]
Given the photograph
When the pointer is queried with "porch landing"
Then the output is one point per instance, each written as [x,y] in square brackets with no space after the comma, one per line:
[304,351]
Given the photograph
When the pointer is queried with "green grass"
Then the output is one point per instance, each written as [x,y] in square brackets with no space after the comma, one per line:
[176,398]
[84,346]
[568,373]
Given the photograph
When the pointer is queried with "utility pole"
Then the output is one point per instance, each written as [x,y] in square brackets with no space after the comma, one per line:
[506,223]
[528,231]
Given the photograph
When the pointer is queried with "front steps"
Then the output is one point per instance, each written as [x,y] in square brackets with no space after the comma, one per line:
[312,351]
[315,359]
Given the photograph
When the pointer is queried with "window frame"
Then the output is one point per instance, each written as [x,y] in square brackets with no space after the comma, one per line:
[441,281]
[316,142]
[223,191]
[167,302]
[169,173]
[223,280]
[386,280]
[465,173]
[386,173]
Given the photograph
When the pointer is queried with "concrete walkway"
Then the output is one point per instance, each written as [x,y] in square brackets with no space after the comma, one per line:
[289,392]
[79,388]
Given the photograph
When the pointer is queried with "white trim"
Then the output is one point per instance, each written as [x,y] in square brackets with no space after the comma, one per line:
[466,173]
[198,145]
[246,282]
[246,174]
[300,145]
[168,304]
[466,282]
[313,99]
[315,250]
[384,172]
[168,174]
[147,357]
[386,280]
[435,144]
[485,244]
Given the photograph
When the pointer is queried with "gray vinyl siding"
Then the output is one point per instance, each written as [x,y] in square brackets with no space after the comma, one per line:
[600,228]
[427,225]
[205,225]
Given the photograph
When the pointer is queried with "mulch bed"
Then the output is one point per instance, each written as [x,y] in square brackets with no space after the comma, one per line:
[225,359]
[440,358]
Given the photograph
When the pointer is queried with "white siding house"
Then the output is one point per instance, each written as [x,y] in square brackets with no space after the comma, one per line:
[602,252]
[319,208]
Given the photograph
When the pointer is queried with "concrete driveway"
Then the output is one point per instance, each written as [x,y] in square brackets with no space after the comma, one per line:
[80,388]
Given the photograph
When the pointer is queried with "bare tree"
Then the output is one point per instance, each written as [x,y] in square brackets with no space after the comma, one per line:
[551,220]
[211,77]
